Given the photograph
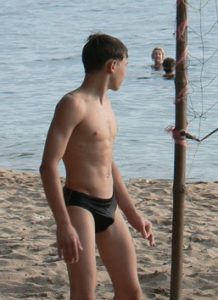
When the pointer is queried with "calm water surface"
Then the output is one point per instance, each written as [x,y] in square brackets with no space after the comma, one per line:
[40,59]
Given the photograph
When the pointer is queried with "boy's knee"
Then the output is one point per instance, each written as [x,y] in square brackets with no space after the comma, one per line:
[134,293]
[82,295]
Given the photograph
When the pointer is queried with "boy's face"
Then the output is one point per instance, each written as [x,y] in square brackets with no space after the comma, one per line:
[119,73]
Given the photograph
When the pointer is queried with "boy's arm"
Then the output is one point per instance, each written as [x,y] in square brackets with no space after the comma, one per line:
[127,206]
[67,115]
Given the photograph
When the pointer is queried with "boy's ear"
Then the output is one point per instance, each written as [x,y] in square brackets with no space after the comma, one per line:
[111,65]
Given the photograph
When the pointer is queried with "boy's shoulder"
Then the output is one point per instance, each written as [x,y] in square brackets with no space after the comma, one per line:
[72,101]
[71,98]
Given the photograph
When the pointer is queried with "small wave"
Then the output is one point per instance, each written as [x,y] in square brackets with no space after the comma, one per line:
[55,59]
[144,77]
[25,154]
[8,93]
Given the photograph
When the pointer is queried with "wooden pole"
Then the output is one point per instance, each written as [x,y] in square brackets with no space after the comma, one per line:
[180,151]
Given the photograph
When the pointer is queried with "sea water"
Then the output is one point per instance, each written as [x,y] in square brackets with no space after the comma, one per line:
[40,58]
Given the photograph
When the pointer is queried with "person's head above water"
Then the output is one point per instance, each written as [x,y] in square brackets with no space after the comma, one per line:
[169,67]
[99,49]
[157,56]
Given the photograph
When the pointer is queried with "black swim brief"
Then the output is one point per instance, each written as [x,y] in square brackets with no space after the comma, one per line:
[102,209]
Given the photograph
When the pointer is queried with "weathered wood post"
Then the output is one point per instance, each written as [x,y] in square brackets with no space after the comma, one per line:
[180,150]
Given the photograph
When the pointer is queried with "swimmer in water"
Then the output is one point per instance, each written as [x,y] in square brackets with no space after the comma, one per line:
[157,56]
[169,67]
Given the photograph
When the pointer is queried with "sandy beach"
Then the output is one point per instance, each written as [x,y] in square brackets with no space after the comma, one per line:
[30,268]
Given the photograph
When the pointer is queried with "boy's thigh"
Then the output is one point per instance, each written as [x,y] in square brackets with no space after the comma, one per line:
[117,251]
[83,273]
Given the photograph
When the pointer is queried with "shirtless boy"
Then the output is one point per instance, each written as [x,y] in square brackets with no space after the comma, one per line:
[88,209]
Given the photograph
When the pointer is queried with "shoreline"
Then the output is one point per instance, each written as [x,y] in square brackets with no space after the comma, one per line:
[5,171]
[30,268]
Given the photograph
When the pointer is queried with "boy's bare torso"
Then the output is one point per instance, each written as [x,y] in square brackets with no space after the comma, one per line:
[88,156]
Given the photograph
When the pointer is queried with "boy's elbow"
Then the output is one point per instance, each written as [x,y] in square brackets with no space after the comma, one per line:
[47,167]
[44,167]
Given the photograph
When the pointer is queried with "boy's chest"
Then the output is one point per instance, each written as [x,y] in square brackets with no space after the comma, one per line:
[99,124]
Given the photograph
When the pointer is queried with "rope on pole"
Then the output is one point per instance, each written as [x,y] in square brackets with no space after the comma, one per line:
[180,135]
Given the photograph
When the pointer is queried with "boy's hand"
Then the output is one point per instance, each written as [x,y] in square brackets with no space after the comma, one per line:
[68,244]
[143,226]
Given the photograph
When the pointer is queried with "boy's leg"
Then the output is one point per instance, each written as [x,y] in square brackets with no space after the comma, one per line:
[118,254]
[82,275]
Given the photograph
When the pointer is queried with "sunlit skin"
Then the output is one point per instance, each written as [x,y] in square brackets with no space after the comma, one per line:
[82,133]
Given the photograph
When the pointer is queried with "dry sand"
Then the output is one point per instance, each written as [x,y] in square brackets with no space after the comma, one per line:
[30,269]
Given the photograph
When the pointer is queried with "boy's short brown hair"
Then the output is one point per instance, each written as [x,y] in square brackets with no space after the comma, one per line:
[99,49]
